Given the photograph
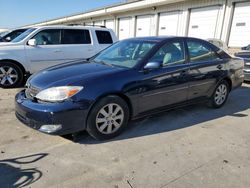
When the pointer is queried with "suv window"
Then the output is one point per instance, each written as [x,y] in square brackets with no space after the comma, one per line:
[104,37]
[170,53]
[48,37]
[199,52]
[76,36]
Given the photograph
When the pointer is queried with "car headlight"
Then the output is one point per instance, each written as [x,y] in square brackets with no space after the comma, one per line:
[58,94]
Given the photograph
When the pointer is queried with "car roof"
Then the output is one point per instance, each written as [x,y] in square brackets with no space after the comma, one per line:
[161,38]
[72,27]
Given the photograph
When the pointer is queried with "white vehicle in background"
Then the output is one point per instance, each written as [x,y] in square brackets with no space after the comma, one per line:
[10,35]
[219,43]
[42,47]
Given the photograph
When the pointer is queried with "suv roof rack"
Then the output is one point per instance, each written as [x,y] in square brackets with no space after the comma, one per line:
[93,25]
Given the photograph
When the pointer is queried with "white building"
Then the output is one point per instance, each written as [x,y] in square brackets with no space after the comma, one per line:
[228,20]
[3,30]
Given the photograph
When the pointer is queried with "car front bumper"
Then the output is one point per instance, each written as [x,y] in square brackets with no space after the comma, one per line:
[66,117]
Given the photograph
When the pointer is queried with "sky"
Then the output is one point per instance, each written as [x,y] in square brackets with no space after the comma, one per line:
[16,13]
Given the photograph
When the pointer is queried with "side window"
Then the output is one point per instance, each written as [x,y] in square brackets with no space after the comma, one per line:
[104,37]
[48,37]
[170,53]
[76,36]
[198,52]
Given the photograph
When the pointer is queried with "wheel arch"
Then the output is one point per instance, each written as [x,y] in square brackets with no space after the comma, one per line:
[229,81]
[15,62]
[121,95]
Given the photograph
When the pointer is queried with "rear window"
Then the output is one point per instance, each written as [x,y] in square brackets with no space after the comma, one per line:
[76,36]
[104,37]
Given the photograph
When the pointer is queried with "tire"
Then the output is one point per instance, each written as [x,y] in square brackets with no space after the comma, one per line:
[103,125]
[11,75]
[220,95]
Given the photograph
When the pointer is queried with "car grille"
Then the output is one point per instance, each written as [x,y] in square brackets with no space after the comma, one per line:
[247,66]
[31,92]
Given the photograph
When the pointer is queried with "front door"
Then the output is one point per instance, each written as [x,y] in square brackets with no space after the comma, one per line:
[168,84]
[47,52]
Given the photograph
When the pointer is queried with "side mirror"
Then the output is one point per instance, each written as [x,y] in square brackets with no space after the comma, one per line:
[152,65]
[32,42]
[8,39]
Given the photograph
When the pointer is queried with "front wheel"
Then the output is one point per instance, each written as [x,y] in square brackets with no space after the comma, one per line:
[220,95]
[11,75]
[108,118]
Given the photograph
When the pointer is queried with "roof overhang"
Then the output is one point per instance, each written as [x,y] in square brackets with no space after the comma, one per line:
[115,9]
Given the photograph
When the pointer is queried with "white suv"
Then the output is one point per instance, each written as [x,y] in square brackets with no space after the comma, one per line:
[42,47]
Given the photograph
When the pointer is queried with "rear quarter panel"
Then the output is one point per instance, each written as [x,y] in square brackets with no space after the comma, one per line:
[236,71]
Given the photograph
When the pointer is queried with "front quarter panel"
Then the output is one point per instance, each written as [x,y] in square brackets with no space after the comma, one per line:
[122,83]
[15,53]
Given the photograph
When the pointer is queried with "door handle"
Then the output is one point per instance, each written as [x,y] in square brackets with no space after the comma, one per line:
[56,51]
[219,66]
[184,73]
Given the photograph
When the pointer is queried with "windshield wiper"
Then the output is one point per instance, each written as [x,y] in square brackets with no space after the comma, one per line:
[104,63]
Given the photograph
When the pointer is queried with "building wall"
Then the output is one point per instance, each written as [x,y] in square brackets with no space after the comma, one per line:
[212,18]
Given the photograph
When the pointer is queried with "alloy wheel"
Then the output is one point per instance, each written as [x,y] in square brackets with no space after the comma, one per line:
[8,76]
[220,94]
[110,118]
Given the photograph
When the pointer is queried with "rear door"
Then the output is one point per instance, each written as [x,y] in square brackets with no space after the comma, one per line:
[77,44]
[206,68]
[48,51]
[168,84]
[103,40]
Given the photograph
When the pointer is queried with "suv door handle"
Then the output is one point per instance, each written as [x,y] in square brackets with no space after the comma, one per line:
[219,66]
[56,51]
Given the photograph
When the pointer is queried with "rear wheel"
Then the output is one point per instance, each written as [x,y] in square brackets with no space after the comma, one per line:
[11,75]
[108,118]
[220,95]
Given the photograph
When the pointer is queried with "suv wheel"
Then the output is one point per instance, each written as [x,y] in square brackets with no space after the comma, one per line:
[10,75]
[108,118]
[220,95]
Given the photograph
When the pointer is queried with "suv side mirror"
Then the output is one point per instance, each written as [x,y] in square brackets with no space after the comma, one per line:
[32,42]
[152,65]
[8,39]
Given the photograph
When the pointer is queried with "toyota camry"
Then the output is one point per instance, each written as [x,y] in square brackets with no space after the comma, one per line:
[131,79]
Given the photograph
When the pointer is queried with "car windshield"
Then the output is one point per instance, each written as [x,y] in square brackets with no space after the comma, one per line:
[248,47]
[125,53]
[13,34]
[23,35]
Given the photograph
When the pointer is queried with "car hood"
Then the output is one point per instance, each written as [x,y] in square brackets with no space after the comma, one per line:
[69,74]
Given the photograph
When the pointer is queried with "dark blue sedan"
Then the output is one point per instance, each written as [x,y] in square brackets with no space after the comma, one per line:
[131,79]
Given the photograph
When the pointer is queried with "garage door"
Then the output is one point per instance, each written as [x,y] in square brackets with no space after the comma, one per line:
[110,24]
[125,28]
[168,23]
[144,26]
[240,30]
[203,22]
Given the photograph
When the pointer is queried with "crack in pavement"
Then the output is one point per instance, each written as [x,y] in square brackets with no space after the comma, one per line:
[188,172]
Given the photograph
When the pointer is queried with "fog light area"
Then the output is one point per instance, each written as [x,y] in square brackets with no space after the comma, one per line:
[50,128]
